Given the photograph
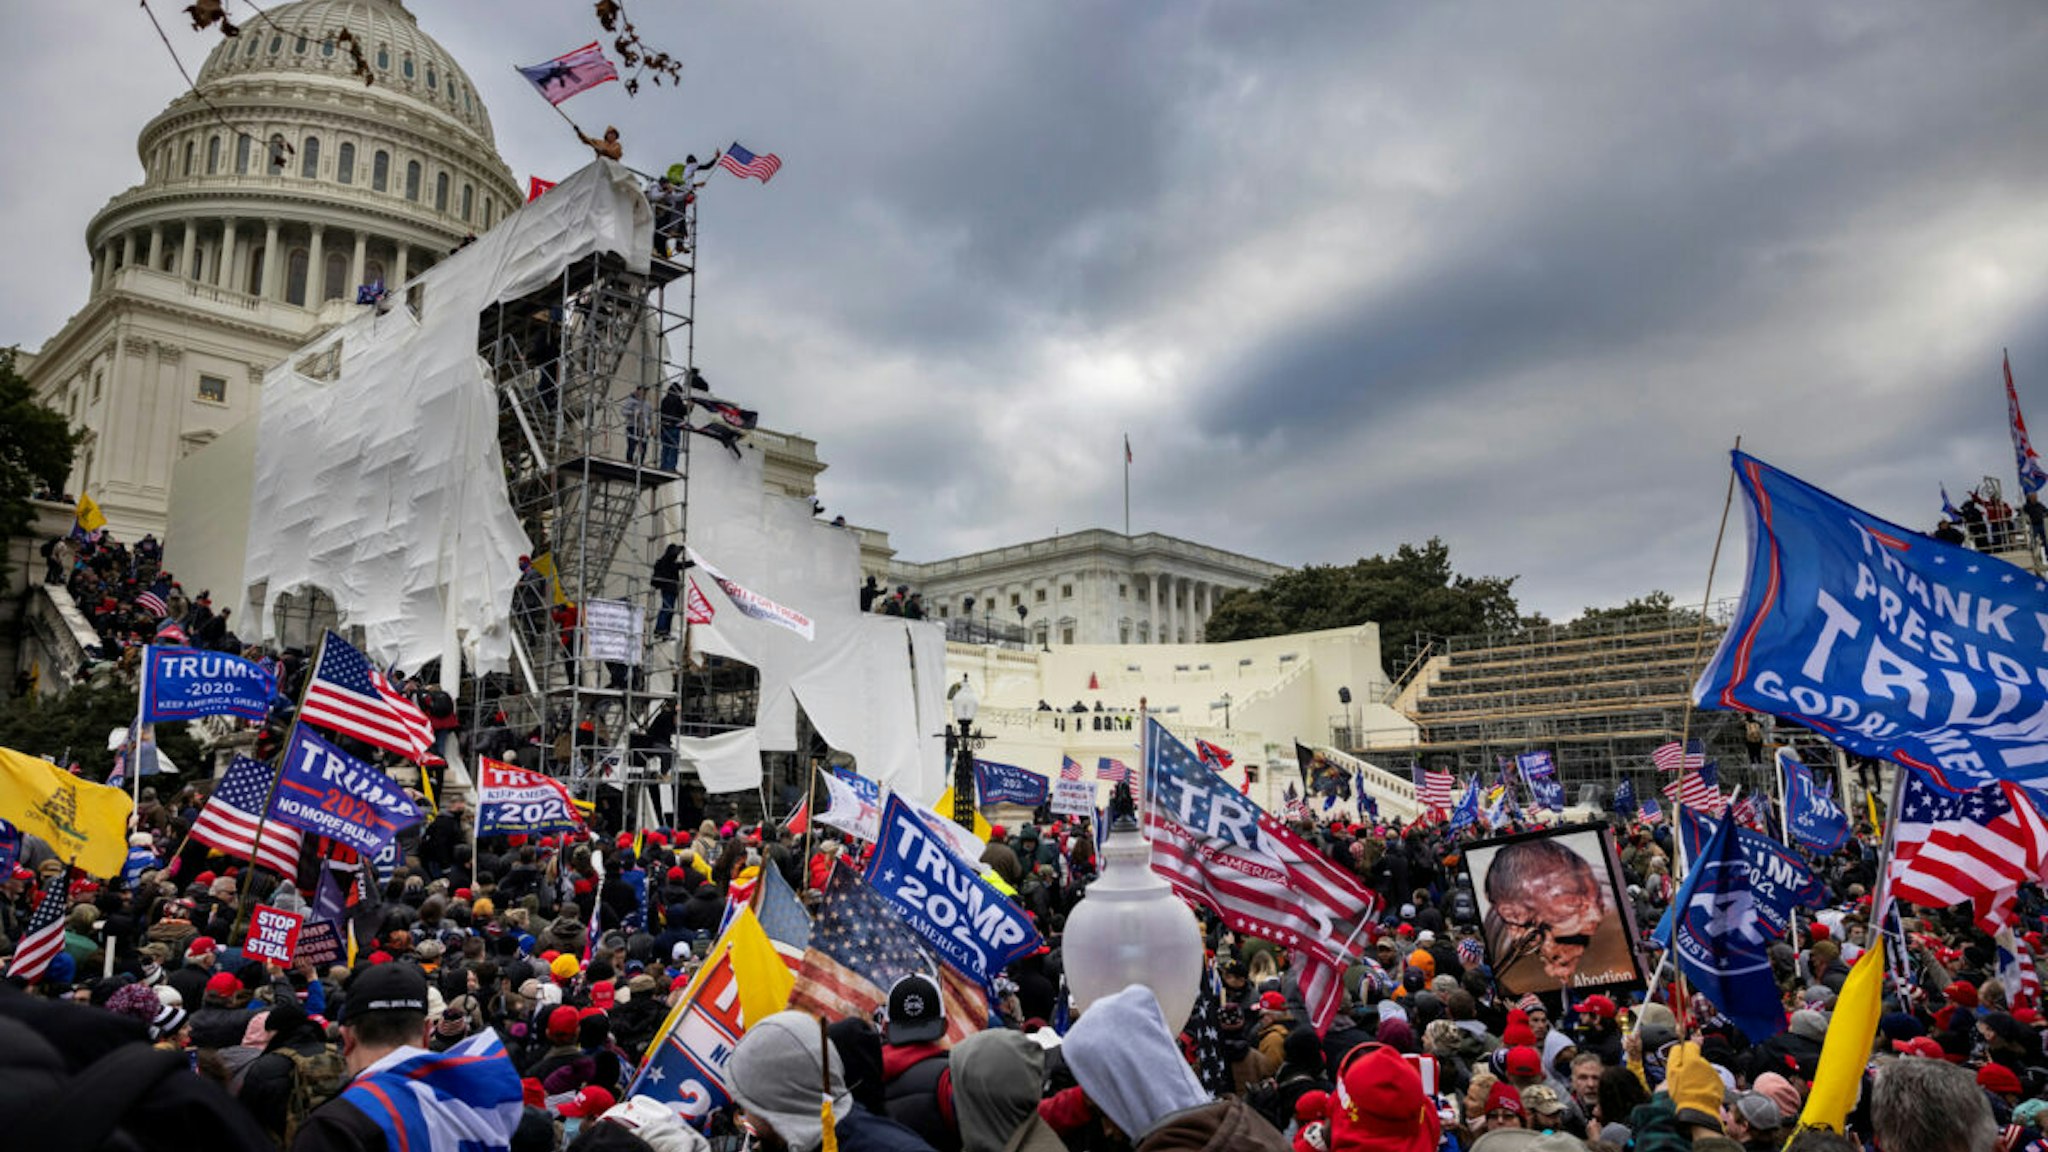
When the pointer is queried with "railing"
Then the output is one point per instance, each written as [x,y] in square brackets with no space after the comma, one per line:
[965,631]
[1415,666]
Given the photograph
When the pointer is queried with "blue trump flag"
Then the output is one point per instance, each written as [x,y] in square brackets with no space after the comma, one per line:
[184,683]
[1780,880]
[1813,820]
[1889,643]
[1467,813]
[944,899]
[1625,798]
[1718,934]
[1008,784]
[330,793]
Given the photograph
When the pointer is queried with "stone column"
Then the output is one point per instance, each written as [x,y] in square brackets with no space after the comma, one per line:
[186,250]
[1152,618]
[127,249]
[99,270]
[356,266]
[272,261]
[316,271]
[397,268]
[156,246]
[224,276]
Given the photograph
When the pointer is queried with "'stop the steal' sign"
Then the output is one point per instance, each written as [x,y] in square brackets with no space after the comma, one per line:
[1890,643]
[273,934]
[943,900]
[330,793]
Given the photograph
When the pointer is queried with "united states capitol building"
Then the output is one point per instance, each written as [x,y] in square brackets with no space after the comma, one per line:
[264,207]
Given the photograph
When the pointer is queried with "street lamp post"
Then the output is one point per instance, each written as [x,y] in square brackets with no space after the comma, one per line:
[1130,928]
[961,746]
[1226,711]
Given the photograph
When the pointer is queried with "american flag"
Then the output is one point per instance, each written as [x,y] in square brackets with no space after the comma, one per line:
[1651,813]
[1433,789]
[229,820]
[742,163]
[153,604]
[1070,768]
[1114,771]
[1698,788]
[43,937]
[1672,758]
[1251,870]
[1979,846]
[348,696]
[1214,756]
[783,917]
[2016,971]
[860,948]
[1749,813]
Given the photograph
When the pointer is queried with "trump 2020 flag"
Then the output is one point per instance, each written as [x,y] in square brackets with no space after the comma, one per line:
[330,793]
[1008,784]
[1468,808]
[1780,880]
[184,683]
[1889,643]
[1814,821]
[572,72]
[1720,939]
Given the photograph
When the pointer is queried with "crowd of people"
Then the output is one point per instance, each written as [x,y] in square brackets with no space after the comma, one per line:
[571,950]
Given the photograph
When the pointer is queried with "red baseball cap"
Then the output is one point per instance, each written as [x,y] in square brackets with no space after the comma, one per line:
[202,946]
[1523,1060]
[1998,1078]
[1599,1006]
[1918,1046]
[589,1103]
[1273,1002]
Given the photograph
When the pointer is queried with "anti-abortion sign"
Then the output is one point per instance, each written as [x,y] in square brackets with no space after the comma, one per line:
[513,800]
[1778,877]
[1008,784]
[1890,643]
[273,934]
[943,900]
[181,683]
[330,793]
[1073,798]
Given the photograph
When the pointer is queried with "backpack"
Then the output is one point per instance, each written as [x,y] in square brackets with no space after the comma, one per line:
[315,1081]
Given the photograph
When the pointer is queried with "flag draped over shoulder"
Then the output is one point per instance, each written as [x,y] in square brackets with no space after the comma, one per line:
[1889,643]
[83,822]
[466,1097]
[1218,849]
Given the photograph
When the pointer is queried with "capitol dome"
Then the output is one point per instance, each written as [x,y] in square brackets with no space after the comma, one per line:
[284,149]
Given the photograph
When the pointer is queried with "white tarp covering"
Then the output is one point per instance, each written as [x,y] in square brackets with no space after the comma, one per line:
[384,485]
[873,686]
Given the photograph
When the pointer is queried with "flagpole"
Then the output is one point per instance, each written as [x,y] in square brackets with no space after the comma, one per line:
[135,737]
[810,820]
[555,106]
[276,774]
[1127,484]
[1785,827]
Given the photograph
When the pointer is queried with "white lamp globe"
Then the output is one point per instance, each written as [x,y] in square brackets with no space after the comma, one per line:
[1129,928]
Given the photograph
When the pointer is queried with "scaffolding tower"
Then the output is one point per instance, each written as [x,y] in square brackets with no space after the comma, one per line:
[602,680]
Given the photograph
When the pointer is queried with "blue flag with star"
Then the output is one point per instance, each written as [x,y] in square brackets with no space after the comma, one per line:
[1467,812]
[1625,799]
[1721,940]
[1892,644]
[1815,822]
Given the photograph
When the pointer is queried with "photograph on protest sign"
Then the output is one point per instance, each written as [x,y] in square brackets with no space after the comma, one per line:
[1552,911]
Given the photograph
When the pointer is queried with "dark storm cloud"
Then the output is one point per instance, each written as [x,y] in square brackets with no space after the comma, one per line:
[1349,274]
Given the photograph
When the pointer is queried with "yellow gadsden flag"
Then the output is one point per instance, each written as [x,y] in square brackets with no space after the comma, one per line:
[82,821]
[90,517]
[1846,1051]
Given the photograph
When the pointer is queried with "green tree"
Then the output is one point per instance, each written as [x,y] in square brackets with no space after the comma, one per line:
[78,722]
[1658,603]
[35,444]
[1414,590]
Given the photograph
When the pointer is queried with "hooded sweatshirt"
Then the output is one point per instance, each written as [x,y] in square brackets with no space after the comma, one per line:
[774,1075]
[1128,1063]
[996,1079]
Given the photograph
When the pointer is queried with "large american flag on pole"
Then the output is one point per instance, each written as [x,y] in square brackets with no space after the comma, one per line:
[860,947]
[742,163]
[1673,757]
[1699,789]
[1433,789]
[1220,850]
[1979,846]
[349,696]
[1070,768]
[43,936]
[234,812]
[572,72]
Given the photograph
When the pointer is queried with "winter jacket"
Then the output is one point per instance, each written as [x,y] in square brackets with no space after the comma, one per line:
[267,1085]
[1224,1126]
[219,1027]
[917,1092]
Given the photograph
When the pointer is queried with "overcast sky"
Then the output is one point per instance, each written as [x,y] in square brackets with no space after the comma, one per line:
[1348,274]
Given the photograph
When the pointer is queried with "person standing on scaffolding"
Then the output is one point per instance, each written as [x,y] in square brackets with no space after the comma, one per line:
[668,193]
[639,416]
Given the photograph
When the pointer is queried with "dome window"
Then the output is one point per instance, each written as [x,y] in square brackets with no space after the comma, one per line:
[334,278]
[190,150]
[345,164]
[277,43]
[441,192]
[213,156]
[255,46]
[380,172]
[383,58]
[468,201]
[327,46]
[242,155]
[433,80]
[300,47]
[407,69]
[412,180]
[309,158]
[295,272]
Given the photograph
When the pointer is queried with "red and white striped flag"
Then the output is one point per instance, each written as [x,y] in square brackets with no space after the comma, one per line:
[1651,813]
[1070,769]
[742,163]
[1980,846]
[1433,790]
[1671,757]
[153,604]
[572,72]
[1114,771]
[349,696]
[2017,973]
[1749,813]
[234,812]
[1692,790]
[43,936]
[1221,851]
